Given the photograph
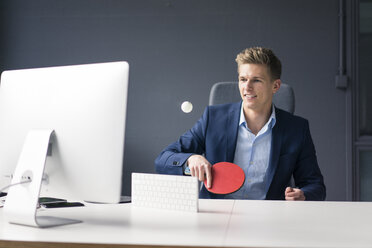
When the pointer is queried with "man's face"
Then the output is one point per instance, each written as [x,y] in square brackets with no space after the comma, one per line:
[256,87]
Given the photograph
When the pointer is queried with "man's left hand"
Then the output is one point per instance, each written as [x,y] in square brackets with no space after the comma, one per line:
[294,194]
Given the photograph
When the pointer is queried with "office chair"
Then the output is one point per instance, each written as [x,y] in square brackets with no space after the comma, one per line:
[226,92]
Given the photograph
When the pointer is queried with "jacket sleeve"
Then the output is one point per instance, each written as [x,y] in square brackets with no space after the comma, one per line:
[173,157]
[307,174]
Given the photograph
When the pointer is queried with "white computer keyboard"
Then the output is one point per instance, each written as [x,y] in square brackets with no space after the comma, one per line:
[165,191]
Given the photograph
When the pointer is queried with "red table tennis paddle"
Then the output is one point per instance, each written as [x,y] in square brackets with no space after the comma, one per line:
[226,178]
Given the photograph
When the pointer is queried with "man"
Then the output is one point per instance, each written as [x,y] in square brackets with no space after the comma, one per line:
[269,144]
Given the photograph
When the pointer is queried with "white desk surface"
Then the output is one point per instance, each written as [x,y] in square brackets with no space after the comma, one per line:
[300,224]
[219,223]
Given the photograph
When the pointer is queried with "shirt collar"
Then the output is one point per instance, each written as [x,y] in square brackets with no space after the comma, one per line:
[271,122]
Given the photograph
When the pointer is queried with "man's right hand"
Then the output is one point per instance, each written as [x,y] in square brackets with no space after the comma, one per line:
[200,168]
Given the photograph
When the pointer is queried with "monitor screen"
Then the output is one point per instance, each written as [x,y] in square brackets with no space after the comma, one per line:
[86,107]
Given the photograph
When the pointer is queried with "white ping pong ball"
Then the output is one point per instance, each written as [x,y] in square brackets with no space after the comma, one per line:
[186,107]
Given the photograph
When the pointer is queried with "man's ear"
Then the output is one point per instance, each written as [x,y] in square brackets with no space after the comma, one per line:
[276,85]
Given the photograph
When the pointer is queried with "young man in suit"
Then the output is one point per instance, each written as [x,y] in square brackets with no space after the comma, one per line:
[269,144]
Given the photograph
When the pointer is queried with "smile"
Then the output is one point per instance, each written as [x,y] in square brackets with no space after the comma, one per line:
[250,96]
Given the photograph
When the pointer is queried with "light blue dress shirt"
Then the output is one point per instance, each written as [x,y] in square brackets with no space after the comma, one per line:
[252,154]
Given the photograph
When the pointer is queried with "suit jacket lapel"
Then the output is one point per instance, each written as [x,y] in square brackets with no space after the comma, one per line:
[276,142]
[232,131]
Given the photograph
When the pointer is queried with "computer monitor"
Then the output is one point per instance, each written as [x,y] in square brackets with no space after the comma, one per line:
[85,108]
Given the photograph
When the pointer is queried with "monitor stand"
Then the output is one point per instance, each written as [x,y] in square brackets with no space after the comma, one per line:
[22,199]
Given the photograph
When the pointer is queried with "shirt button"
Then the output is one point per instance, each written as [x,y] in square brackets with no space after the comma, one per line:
[251,162]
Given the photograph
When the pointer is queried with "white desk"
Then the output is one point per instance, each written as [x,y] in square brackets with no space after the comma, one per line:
[300,224]
[219,223]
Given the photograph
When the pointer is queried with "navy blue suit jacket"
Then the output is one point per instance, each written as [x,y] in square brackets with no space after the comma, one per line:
[215,136]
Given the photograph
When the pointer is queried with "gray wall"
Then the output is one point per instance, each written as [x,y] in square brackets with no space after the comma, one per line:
[177,49]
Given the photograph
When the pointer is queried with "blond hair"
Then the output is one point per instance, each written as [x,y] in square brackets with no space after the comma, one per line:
[261,56]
